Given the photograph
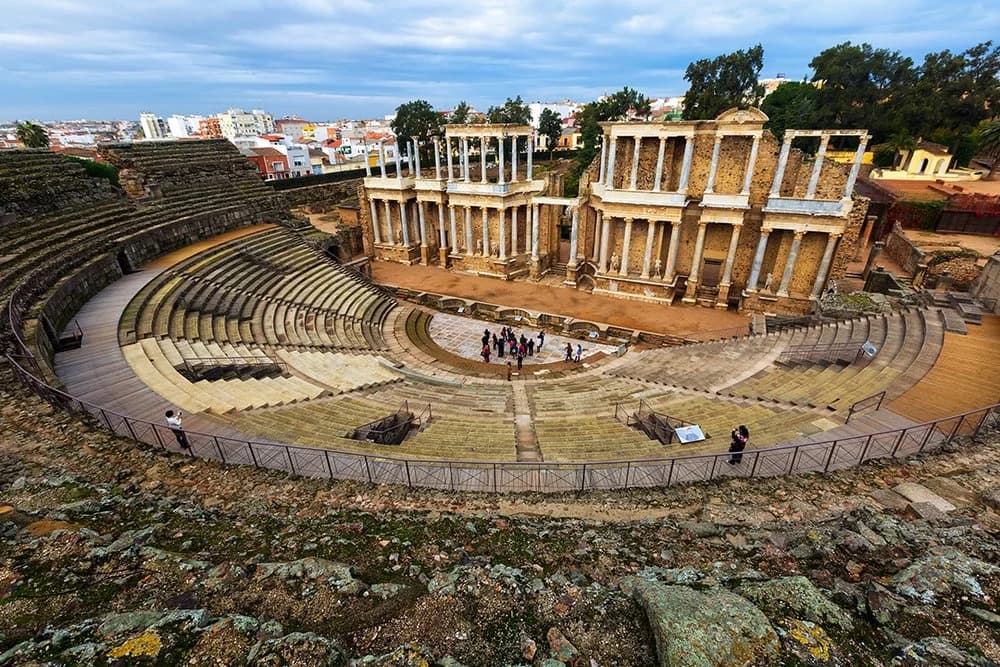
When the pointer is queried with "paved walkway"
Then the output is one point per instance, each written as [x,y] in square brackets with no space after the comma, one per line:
[676,320]
[463,336]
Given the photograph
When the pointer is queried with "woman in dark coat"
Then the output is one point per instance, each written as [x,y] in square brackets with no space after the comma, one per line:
[740,438]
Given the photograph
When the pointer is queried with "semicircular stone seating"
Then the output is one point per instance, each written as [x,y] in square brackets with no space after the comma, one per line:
[270,339]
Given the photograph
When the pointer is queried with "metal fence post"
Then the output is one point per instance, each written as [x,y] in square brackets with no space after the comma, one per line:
[218,448]
[954,431]
[975,432]
[795,455]
[368,469]
[829,458]
[715,462]
[288,453]
[583,478]
[253,455]
[131,431]
[628,469]
[409,482]
[864,450]
[670,473]
[753,468]
[329,468]
[494,478]
[899,441]
[156,432]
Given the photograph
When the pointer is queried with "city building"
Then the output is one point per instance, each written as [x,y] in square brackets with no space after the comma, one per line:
[293,128]
[152,126]
[238,123]
[210,128]
[183,126]
[565,109]
[270,162]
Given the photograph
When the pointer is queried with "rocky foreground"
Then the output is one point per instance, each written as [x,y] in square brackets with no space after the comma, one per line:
[112,554]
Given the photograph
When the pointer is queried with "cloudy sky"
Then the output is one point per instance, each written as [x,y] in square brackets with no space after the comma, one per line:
[329,59]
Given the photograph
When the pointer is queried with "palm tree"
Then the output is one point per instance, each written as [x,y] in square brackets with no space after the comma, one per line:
[989,143]
[32,135]
[899,142]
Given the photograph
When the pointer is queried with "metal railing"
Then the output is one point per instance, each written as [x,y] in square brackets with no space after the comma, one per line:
[820,351]
[864,404]
[391,429]
[656,425]
[502,476]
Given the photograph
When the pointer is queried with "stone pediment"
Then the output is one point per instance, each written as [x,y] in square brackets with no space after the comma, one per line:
[735,115]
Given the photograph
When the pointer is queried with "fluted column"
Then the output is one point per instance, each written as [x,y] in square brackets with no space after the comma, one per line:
[626,246]
[647,258]
[421,223]
[597,236]
[500,162]
[465,159]
[758,261]
[853,176]
[381,158]
[714,167]
[605,236]
[454,229]
[534,231]
[468,231]
[659,164]
[531,153]
[734,242]
[447,150]
[610,184]
[604,153]
[513,159]
[751,164]
[404,223]
[817,167]
[793,254]
[415,147]
[482,158]
[388,222]
[376,231]
[682,186]
[574,236]
[399,170]
[502,215]
[824,265]
[675,244]
[442,238]
[513,231]
[486,231]
[437,159]
[368,167]
[635,163]
[779,173]
[699,248]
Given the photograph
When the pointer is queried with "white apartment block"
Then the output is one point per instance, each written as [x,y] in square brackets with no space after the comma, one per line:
[183,126]
[238,123]
[152,126]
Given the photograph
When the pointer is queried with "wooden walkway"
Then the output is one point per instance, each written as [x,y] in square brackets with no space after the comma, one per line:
[965,377]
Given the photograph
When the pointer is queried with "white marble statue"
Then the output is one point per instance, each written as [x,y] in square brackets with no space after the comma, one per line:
[479,246]
[615,262]
[657,267]
[768,279]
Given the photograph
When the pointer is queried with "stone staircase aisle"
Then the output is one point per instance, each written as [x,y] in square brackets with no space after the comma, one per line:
[524,429]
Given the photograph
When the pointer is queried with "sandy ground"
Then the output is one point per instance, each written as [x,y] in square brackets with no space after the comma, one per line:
[931,241]
[676,320]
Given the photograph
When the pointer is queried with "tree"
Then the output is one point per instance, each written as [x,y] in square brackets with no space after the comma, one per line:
[513,111]
[460,114]
[622,105]
[726,81]
[863,88]
[988,135]
[417,121]
[898,143]
[791,105]
[32,135]
[955,91]
[550,126]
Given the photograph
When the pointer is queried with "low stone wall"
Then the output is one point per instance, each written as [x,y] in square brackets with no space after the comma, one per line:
[987,286]
[330,193]
[902,251]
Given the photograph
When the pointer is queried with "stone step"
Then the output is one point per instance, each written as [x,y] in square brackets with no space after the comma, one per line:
[918,493]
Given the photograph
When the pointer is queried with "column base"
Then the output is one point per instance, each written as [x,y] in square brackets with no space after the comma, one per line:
[571,273]
[535,268]
[722,300]
[443,260]
[691,292]
[425,255]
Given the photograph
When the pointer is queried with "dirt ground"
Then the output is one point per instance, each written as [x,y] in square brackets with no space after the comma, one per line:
[931,241]
[676,320]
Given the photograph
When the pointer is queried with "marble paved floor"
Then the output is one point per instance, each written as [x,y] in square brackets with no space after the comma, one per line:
[463,336]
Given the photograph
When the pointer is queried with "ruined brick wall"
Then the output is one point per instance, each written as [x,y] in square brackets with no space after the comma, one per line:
[330,194]
[849,241]
[37,182]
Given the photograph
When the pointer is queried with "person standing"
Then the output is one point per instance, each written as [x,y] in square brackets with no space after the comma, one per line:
[486,352]
[579,353]
[569,352]
[520,361]
[541,339]
[740,437]
[176,426]
[508,371]
[531,347]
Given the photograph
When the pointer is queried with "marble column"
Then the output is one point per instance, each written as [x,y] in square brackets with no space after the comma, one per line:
[442,238]
[647,258]
[514,242]
[422,224]
[502,215]
[486,231]
[381,158]
[633,177]
[626,247]
[574,236]
[734,242]
[500,162]
[793,254]
[659,164]
[469,248]
[853,176]
[453,229]
[714,167]
[409,161]
[437,160]
[482,159]
[604,153]
[388,222]
[817,167]
[610,184]
[531,153]
[779,173]
[376,225]
[605,237]
[447,150]
[682,186]
[404,223]
[675,244]
[416,157]
[758,261]
[368,167]
[824,265]
[595,253]
[534,231]
[751,164]
[513,159]
[399,170]
[699,248]
[465,159]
